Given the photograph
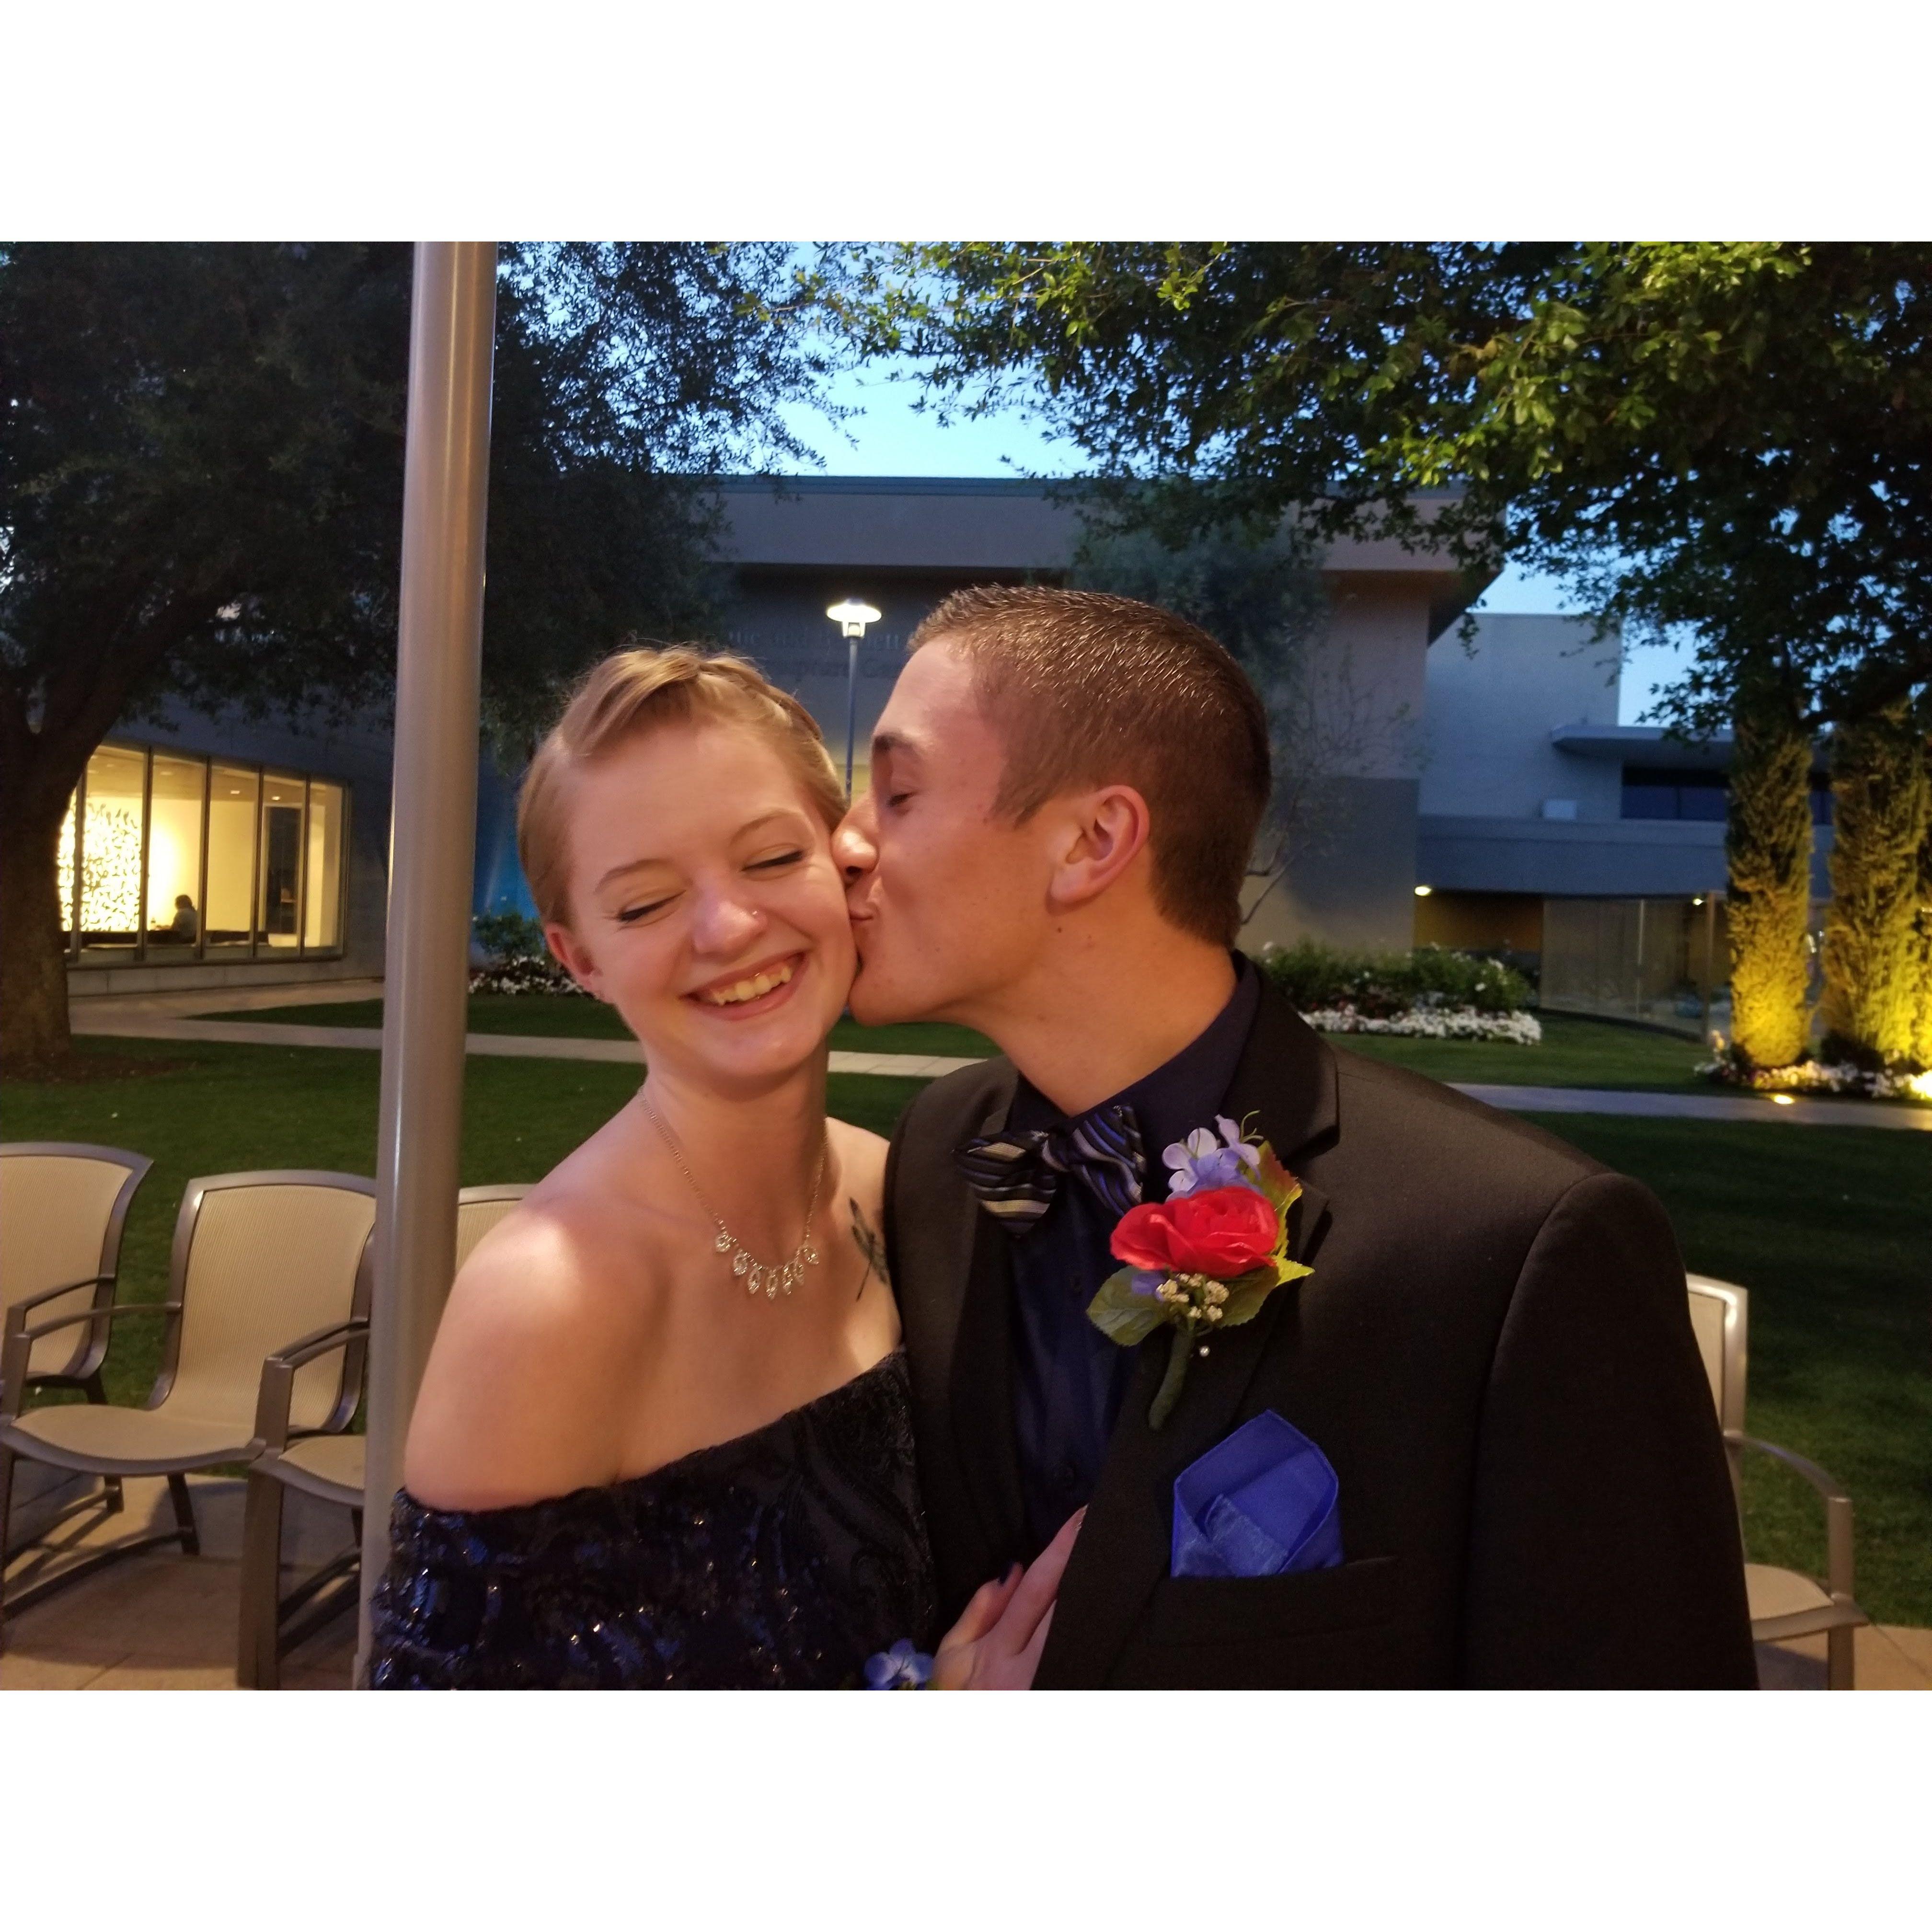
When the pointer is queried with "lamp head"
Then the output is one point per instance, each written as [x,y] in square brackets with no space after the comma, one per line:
[851,616]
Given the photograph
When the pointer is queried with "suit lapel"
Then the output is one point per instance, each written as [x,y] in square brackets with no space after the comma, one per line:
[1287,1079]
[979,1375]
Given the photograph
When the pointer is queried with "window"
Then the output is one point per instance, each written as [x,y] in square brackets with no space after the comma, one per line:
[232,797]
[322,898]
[278,909]
[110,851]
[176,799]
[1666,791]
[164,856]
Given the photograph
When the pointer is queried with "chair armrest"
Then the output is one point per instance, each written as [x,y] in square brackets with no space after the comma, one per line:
[16,1312]
[278,1379]
[20,1340]
[1838,1514]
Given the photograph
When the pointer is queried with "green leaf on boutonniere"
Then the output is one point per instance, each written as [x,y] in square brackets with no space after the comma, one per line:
[1122,1316]
[1280,1186]
[1246,1292]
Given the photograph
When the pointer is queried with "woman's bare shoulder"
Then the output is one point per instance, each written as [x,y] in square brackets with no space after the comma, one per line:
[862,1163]
[862,1175]
[536,1356]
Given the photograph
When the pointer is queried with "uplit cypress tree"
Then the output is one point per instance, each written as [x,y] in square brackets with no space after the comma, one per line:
[1767,849]
[1922,932]
[1880,804]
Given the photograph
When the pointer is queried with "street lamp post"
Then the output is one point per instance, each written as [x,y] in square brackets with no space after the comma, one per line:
[851,617]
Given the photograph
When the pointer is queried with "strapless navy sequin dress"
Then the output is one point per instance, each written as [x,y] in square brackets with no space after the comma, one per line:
[780,1560]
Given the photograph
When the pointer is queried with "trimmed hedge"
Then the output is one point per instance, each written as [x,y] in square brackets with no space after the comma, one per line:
[1320,978]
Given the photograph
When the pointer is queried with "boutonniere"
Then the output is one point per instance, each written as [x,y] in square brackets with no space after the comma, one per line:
[1206,1258]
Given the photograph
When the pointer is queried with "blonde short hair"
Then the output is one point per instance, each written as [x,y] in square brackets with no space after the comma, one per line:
[636,690]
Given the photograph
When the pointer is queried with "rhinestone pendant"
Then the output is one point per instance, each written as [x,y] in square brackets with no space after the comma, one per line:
[740,1261]
[723,1243]
[771,1284]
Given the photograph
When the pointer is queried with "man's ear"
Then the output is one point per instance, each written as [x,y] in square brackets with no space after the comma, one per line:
[570,954]
[1107,831]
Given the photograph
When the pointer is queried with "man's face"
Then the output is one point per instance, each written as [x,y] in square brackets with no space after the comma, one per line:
[948,904]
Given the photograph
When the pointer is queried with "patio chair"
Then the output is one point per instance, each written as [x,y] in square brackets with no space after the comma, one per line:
[63,1205]
[1783,1603]
[329,1467]
[257,1258]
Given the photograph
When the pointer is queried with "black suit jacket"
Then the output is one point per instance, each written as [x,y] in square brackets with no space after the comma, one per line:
[1494,1350]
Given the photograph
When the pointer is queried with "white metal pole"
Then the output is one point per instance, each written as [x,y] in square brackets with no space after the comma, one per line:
[851,707]
[433,848]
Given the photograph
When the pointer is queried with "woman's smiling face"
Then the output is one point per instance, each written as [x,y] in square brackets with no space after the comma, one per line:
[704,903]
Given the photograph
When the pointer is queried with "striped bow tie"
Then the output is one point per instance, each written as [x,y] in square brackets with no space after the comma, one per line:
[1016,1174]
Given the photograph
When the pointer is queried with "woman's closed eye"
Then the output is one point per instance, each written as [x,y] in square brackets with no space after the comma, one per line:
[775,863]
[631,915]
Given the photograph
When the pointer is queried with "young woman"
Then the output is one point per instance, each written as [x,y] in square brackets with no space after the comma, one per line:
[665,1436]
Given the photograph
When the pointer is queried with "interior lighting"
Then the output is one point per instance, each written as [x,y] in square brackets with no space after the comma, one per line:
[1423,892]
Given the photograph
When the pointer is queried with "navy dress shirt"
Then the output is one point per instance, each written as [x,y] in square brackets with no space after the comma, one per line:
[1069,1380]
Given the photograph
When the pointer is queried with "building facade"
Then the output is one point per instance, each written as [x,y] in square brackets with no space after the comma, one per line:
[1591,850]
[1480,795]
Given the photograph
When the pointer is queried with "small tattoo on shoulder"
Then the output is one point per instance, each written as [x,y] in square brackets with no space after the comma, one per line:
[865,1238]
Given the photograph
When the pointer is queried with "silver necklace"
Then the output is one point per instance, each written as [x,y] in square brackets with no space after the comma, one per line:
[755,1273]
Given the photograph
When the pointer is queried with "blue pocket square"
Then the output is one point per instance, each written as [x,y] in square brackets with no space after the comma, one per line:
[1257,1504]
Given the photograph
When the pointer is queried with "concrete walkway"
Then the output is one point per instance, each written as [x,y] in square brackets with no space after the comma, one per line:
[127,1021]
[126,1025]
[1793,1110]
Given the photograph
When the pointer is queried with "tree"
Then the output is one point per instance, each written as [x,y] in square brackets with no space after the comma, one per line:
[1260,593]
[1882,790]
[1731,438]
[1767,852]
[201,488]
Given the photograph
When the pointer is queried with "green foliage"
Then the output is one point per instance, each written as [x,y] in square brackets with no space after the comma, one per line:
[505,936]
[1122,1316]
[1315,977]
[1768,848]
[1882,789]
[1921,948]
[1725,435]
[1259,592]
[201,461]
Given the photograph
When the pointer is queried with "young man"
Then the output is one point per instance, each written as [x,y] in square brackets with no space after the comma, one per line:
[1493,1350]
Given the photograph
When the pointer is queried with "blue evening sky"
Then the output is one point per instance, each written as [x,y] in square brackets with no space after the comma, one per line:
[890,437]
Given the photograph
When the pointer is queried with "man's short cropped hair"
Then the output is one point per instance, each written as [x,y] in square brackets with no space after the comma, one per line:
[1089,689]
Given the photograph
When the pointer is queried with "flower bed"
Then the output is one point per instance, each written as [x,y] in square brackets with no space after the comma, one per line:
[1515,1029]
[524,976]
[1319,979]
[1431,993]
[1819,1076]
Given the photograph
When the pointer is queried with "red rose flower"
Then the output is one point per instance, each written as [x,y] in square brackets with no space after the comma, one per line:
[1220,1231]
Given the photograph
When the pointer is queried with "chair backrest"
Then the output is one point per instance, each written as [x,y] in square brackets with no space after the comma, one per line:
[1721,1320]
[261,1260]
[63,1206]
[479,1210]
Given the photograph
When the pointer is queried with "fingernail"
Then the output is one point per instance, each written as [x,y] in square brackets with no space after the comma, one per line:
[1011,1573]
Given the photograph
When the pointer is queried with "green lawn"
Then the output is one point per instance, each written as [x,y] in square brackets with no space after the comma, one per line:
[1829,1228]
[563,1016]
[1574,1052]
[229,1108]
